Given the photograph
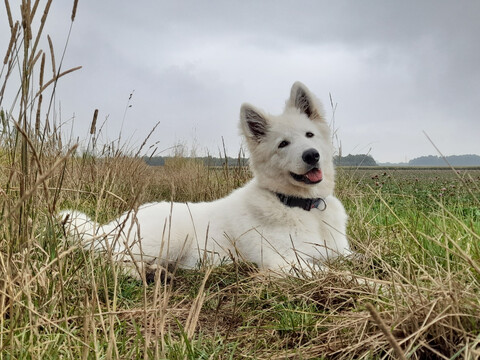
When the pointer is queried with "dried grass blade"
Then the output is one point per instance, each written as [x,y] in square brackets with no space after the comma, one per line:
[42,24]
[52,55]
[193,316]
[74,10]
[378,320]
[51,81]
[12,41]
[34,8]
[94,122]
[9,14]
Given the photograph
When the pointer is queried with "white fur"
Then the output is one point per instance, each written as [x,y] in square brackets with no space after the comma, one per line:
[250,224]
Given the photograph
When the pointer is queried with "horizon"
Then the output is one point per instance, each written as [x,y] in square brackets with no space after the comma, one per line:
[439,157]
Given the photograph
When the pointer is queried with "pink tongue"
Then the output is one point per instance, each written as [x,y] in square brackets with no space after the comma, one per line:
[314,175]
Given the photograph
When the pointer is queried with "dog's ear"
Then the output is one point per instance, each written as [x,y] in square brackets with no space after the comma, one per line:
[254,123]
[303,100]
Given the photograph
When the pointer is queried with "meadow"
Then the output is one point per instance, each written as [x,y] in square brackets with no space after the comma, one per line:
[411,291]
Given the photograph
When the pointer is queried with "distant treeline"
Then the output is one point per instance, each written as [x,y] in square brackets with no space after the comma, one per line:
[454,160]
[349,160]
[207,160]
[355,160]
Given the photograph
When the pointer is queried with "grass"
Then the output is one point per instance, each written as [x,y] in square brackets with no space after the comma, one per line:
[412,291]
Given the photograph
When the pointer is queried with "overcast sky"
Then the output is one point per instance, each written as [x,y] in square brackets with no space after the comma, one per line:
[395,69]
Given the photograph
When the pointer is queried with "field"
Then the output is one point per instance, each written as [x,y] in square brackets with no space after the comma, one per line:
[411,291]
[416,230]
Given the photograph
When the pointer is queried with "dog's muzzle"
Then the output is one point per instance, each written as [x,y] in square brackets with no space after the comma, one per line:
[314,175]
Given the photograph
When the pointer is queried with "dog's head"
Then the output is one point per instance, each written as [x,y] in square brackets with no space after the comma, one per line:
[291,153]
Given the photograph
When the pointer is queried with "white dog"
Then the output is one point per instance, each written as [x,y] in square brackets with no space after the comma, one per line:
[285,218]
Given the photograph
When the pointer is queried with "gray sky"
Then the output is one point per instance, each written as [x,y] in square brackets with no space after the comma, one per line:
[395,69]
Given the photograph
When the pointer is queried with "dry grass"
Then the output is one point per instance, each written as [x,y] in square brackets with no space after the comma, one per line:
[412,292]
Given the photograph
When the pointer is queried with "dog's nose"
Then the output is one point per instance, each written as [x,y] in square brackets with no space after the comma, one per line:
[311,156]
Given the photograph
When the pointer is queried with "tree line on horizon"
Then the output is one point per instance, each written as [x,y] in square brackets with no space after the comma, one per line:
[349,160]
[206,160]
[454,160]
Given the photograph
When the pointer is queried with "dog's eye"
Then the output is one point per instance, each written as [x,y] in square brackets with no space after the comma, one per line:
[283,144]
[309,134]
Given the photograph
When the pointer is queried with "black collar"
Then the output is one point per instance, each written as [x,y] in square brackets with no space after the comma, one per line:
[302,203]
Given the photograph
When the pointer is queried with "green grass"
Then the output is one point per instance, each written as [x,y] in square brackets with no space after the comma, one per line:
[416,233]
